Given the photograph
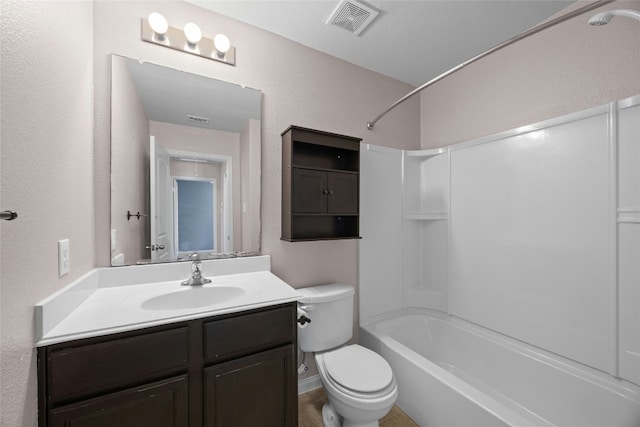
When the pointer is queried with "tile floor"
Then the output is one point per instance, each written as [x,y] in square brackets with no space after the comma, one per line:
[310,412]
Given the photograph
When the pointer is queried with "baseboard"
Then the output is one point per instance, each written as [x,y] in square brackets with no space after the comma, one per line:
[309,384]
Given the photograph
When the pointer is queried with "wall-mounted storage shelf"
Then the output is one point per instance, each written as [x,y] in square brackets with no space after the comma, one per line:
[320,185]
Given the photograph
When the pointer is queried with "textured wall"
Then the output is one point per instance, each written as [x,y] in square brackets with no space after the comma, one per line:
[300,86]
[56,149]
[567,68]
[47,176]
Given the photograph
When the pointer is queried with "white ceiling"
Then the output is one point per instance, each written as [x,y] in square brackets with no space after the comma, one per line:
[411,41]
[170,96]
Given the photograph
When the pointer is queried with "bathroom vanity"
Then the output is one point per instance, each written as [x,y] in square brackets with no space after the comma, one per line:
[229,363]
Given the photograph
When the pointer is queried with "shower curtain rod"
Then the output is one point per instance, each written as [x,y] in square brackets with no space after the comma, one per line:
[511,41]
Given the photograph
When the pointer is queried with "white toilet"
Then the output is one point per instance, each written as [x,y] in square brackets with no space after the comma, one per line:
[358,382]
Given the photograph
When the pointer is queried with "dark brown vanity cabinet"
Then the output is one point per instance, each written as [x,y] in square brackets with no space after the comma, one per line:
[320,182]
[250,391]
[162,404]
[228,370]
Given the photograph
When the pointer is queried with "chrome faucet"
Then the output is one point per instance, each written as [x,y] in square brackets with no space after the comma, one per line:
[196,278]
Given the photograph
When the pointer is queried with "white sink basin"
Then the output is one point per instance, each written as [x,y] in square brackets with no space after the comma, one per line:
[193,297]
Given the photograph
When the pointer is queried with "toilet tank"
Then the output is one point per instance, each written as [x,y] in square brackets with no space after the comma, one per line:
[330,308]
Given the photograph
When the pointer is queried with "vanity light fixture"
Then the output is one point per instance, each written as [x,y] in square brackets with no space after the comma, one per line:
[159,25]
[221,44]
[192,33]
[155,29]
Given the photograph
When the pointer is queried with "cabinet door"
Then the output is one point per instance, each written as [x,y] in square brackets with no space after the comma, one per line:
[238,336]
[343,193]
[77,371]
[309,191]
[160,404]
[258,390]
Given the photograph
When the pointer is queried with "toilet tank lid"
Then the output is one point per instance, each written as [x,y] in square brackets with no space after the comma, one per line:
[325,293]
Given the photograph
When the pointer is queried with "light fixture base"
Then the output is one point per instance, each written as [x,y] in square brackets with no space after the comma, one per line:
[175,39]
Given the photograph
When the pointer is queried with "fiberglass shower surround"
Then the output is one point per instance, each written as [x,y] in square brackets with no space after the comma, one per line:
[532,235]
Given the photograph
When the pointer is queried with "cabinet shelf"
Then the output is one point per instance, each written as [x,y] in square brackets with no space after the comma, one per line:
[323,214]
[320,185]
[298,166]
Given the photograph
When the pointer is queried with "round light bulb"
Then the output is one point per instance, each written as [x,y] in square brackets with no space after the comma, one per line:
[221,42]
[192,33]
[158,23]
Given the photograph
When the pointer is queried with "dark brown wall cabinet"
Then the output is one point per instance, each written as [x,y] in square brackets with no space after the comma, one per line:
[230,370]
[320,181]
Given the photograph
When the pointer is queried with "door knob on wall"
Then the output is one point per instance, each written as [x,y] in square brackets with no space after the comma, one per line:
[8,215]
[155,247]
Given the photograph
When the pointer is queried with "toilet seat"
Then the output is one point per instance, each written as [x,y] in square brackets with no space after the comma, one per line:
[358,372]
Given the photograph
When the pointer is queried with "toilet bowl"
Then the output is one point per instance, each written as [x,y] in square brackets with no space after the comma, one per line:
[359,383]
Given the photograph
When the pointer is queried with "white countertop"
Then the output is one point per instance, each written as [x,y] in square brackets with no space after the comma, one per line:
[95,306]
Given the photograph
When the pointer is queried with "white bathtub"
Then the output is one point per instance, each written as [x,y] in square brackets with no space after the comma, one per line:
[453,373]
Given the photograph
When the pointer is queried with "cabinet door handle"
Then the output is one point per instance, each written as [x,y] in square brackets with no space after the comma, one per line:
[330,191]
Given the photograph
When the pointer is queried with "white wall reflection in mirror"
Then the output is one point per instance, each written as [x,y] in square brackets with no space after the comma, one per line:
[185,154]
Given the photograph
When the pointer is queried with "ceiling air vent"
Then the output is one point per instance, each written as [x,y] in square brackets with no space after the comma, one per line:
[197,119]
[352,16]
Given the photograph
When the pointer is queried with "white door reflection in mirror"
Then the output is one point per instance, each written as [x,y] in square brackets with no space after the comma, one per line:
[198,218]
[195,220]
[160,195]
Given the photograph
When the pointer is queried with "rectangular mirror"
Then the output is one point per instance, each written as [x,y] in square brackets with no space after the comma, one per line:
[185,165]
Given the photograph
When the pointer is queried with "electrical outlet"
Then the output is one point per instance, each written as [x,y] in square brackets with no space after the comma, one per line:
[64,257]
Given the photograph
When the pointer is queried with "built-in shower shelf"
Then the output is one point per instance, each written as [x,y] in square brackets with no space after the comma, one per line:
[426,216]
[425,154]
[629,215]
